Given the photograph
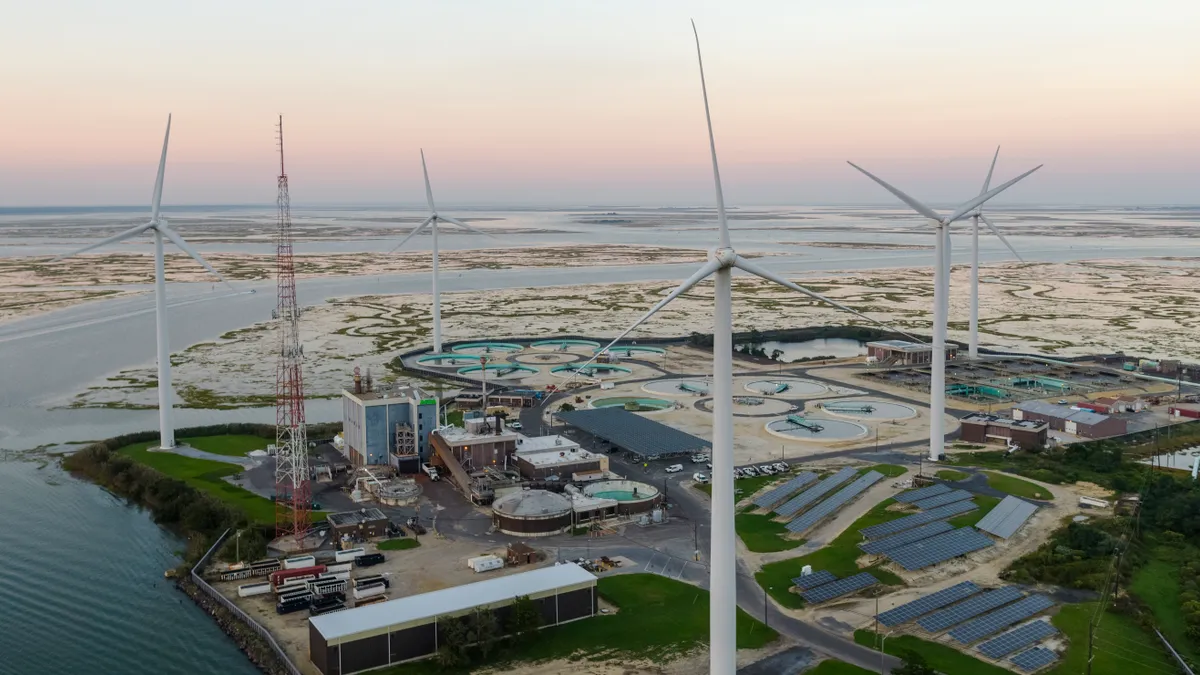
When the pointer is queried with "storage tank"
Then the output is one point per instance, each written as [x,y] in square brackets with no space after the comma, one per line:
[532,513]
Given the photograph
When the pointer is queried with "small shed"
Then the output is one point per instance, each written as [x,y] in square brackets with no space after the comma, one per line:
[364,523]
[522,554]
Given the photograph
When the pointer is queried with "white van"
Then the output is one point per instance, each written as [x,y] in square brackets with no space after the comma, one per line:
[699,478]
[674,468]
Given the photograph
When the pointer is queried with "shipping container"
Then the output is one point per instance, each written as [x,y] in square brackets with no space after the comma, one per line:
[372,579]
[303,594]
[294,583]
[368,559]
[371,600]
[368,591]
[234,575]
[325,608]
[262,568]
[289,607]
[327,587]
[485,563]
[259,588]
[280,576]
[348,555]
[298,562]
[341,567]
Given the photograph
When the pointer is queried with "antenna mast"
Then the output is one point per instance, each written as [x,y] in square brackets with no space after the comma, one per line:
[293,493]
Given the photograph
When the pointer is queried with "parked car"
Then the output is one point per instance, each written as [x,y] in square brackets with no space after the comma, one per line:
[765,469]
[515,426]
[780,466]
[699,478]
[674,468]
[697,459]
[737,473]
[749,471]
[709,465]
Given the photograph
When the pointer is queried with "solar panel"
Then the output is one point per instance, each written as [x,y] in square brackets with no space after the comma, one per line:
[839,588]
[939,548]
[942,499]
[911,610]
[776,495]
[829,506]
[812,494]
[1007,517]
[969,609]
[1000,619]
[921,493]
[1033,659]
[813,580]
[909,522]
[1003,645]
[906,537]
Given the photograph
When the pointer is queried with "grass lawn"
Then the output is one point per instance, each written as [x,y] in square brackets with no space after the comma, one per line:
[398,544]
[837,668]
[838,556]
[889,470]
[951,474]
[658,619]
[985,503]
[1157,584]
[1122,647]
[762,535]
[1017,487]
[229,445]
[940,657]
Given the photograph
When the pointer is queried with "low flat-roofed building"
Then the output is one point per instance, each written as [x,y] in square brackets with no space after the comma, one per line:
[984,428]
[354,640]
[365,523]
[1179,410]
[905,353]
[542,456]
[483,444]
[1069,420]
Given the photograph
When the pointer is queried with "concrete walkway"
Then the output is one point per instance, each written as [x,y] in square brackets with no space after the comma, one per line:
[188,451]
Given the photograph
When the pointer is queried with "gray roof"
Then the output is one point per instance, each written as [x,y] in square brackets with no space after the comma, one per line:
[338,626]
[641,436]
[1007,517]
[1061,412]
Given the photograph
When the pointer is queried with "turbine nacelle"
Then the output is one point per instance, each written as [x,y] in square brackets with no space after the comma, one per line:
[724,256]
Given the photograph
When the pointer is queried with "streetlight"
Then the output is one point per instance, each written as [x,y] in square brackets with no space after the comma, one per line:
[882,653]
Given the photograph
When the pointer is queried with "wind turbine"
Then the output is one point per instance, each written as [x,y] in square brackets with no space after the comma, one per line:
[721,261]
[158,225]
[432,222]
[941,295]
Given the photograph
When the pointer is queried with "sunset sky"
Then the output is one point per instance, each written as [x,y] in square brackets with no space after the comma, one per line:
[576,103]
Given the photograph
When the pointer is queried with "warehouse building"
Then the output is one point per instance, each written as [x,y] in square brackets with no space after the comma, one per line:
[983,428]
[904,353]
[405,629]
[388,426]
[1190,410]
[1069,420]
[539,457]
[643,438]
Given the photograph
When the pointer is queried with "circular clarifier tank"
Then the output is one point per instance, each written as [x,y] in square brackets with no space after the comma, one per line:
[502,371]
[544,358]
[628,351]
[556,345]
[486,348]
[869,410]
[755,406]
[602,371]
[816,429]
[632,403]
[447,360]
[786,387]
[690,386]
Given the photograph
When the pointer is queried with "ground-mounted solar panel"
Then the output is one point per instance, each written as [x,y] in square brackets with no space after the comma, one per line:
[812,494]
[813,580]
[1007,517]
[922,606]
[778,494]
[1017,638]
[939,548]
[908,522]
[1032,659]
[837,501]
[839,588]
[921,493]
[969,609]
[906,537]
[1002,618]
[942,499]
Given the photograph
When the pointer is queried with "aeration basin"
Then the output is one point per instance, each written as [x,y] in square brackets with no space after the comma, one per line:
[629,350]
[563,345]
[820,429]
[869,410]
[596,370]
[786,387]
[632,403]
[447,360]
[486,348]
[499,370]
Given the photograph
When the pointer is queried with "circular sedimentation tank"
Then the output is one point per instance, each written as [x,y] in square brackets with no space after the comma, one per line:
[447,360]
[786,387]
[545,358]
[499,370]
[487,348]
[532,513]
[869,410]
[816,429]
[632,403]
[753,406]
[685,386]
[600,371]
[631,496]
[628,351]
[564,344]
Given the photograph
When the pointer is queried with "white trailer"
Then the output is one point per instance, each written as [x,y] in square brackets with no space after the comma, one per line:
[485,563]
[299,561]
[348,555]
[260,588]
[341,567]
[368,591]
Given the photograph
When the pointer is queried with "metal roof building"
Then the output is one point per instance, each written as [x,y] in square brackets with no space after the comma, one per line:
[642,437]
[1070,420]
[1007,517]
[405,629]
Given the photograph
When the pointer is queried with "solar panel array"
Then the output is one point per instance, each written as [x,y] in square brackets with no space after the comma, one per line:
[907,537]
[911,610]
[1008,517]
[812,494]
[1015,639]
[909,522]
[921,493]
[1000,619]
[784,491]
[969,609]
[1033,659]
[939,547]
[942,499]
[829,506]
[813,580]
[839,588]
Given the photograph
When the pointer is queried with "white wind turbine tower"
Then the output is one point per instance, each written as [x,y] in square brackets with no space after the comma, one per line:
[432,222]
[941,296]
[158,226]
[721,261]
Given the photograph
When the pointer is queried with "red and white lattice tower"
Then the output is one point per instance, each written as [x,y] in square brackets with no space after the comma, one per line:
[293,492]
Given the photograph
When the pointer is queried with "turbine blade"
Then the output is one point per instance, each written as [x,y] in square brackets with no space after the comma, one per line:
[466,226]
[187,248]
[987,182]
[131,232]
[722,223]
[978,201]
[416,230]
[428,190]
[747,266]
[996,232]
[162,170]
[912,202]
